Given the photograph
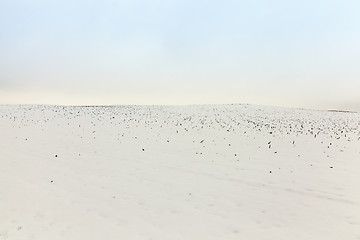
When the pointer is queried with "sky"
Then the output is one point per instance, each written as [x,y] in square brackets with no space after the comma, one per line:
[271,52]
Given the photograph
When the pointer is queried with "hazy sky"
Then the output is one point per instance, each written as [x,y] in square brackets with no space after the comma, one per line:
[280,52]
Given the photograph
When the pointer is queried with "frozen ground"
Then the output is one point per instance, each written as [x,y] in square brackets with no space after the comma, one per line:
[165,173]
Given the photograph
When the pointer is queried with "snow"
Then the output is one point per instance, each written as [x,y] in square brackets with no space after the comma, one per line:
[178,172]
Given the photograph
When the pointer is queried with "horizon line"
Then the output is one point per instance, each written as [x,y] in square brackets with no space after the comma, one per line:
[178,105]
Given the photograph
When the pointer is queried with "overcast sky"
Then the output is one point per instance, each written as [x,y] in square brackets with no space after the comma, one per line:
[280,52]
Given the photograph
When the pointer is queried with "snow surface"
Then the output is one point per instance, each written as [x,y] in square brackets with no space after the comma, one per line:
[178,172]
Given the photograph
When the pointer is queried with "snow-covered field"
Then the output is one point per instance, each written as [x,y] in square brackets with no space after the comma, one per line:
[178,172]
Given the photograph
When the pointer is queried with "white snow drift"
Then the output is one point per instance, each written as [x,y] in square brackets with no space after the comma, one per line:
[190,172]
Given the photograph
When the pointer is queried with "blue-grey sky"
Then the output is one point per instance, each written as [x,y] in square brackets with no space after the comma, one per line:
[288,53]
